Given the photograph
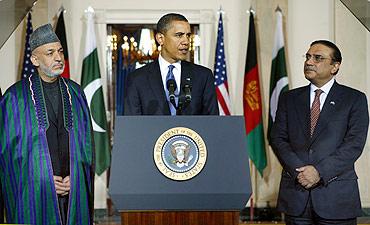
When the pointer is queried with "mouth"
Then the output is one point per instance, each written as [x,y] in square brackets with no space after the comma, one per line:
[184,51]
[58,66]
[308,69]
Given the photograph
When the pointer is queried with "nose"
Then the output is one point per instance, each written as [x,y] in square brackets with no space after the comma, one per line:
[185,40]
[58,56]
[309,61]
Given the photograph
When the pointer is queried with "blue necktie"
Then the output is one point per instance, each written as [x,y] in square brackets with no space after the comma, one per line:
[169,77]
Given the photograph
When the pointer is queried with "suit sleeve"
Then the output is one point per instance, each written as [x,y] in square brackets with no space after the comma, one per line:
[280,141]
[347,152]
[209,101]
[132,104]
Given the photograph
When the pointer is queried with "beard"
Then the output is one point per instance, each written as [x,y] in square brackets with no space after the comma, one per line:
[49,70]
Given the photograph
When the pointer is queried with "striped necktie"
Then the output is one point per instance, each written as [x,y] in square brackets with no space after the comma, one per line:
[315,110]
[169,77]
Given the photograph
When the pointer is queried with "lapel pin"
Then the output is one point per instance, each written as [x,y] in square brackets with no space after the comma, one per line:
[332,103]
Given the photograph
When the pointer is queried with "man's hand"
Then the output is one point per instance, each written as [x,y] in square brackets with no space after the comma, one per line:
[62,186]
[308,176]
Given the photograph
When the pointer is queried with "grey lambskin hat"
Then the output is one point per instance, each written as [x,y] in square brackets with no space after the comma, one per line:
[43,35]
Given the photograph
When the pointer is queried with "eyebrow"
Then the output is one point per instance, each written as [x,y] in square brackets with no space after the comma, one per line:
[53,49]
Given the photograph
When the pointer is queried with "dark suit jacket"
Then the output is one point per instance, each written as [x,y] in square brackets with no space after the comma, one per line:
[336,144]
[145,95]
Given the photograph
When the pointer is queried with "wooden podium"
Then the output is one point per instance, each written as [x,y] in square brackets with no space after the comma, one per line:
[145,196]
[180,218]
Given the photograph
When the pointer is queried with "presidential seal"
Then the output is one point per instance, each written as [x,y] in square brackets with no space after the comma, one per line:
[180,153]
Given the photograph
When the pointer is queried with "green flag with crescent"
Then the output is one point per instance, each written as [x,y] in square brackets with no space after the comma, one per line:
[92,86]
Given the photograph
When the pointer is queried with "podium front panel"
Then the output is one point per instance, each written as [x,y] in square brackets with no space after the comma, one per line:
[137,184]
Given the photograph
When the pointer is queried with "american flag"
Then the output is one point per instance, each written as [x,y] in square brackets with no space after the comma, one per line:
[28,67]
[222,88]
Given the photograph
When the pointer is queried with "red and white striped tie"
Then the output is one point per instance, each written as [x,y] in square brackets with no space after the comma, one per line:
[315,110]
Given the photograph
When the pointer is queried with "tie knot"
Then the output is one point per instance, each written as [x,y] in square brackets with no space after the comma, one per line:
[318,92]
[170,74]
[170,68]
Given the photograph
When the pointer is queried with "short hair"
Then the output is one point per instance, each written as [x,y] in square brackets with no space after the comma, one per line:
[165,21]
[337,56]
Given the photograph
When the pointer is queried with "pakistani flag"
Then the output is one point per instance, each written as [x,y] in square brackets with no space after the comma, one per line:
[92,86]
[279,77]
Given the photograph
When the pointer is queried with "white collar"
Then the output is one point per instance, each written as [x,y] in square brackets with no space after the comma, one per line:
[326,88]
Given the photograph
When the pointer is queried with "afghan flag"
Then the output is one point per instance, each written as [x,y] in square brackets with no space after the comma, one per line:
[252,104]
[60,31]
[92,86]
[279,78]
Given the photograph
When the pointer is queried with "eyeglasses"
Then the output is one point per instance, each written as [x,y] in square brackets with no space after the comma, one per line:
[315,58]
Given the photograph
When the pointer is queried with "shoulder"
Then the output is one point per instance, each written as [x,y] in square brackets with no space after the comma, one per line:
[16,87]
[145,70]
[16,92]
[348,90]
[72,84]
[74,87]
[296,91]
[196,67]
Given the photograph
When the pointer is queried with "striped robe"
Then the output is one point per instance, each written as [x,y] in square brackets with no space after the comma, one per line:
[26,171]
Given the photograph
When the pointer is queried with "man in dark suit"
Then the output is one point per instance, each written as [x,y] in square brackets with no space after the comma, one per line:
[147,89]
[319,132]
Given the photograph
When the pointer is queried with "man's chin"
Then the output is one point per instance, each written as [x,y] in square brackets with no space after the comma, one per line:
[309,74]
[54,73]
[183,56]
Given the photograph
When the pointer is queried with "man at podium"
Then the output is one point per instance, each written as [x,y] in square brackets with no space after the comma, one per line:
[171,85]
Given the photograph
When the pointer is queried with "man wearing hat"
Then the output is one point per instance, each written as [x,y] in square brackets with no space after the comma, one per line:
[46,146]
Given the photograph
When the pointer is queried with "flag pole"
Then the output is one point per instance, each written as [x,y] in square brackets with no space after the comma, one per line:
[251,10]
[254,171]
[278,9]
[220,11]
[61,10]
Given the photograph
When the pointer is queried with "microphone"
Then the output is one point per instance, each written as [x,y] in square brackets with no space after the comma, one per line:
[171,87]
[187,90]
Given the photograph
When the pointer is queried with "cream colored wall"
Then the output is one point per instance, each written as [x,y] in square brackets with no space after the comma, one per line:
[303,23]
[353,40]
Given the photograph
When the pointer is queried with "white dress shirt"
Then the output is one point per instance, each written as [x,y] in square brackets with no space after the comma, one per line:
[163,65]
[325,91]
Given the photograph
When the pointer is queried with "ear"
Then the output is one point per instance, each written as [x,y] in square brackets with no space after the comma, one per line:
[34,60]
[335,68]
[160,38]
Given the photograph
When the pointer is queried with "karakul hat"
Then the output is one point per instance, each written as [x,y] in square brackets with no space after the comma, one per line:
[43,35]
